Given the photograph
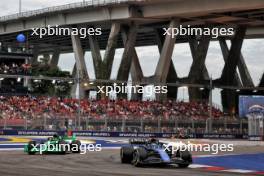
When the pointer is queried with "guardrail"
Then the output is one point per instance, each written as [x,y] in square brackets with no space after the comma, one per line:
[123,134]
[88,3]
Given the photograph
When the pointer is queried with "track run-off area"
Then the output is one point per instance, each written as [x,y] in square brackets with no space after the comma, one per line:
[247,158]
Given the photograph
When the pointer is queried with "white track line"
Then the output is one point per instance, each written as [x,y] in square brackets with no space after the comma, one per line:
[13,144]
[12,149]
[239,171]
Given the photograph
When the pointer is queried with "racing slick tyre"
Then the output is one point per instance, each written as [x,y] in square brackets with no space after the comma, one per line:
[183,165]
[186,157]
[31,145]
[126,154]
[73,146]
[62,147]
[138,156]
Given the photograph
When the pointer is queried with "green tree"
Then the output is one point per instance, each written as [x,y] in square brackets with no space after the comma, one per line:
[48,87]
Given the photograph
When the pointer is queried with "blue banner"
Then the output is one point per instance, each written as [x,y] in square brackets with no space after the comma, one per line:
[118,134]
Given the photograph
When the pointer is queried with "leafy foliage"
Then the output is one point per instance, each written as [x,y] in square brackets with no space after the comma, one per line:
[57,88]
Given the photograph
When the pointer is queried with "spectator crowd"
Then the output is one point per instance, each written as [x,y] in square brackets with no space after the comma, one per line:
[17,107]
[15,68]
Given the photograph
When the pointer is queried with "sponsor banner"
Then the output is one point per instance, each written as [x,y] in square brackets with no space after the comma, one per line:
[255,138]
[30,132]
[120,134]
[223,136]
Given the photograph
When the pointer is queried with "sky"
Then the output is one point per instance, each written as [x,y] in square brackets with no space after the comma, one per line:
[253,51]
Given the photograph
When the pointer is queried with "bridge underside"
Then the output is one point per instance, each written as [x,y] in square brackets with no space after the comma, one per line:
[141,24]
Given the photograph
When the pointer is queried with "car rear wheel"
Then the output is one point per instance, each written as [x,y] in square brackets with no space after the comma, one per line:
[186,157]
[31,145]
[62,147]
[126,154]
[76,145]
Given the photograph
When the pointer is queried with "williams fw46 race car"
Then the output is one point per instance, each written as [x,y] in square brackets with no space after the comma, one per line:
[141,152]
[56,144]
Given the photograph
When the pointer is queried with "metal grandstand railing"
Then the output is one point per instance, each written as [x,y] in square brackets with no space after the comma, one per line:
[223,125]
[87,3]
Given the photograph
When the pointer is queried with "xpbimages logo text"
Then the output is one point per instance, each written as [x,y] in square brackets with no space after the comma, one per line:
[83,32]
[188,30]
[123,88]
[84,148]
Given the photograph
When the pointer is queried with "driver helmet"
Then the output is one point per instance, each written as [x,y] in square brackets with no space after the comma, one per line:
[55,136]
[153,140]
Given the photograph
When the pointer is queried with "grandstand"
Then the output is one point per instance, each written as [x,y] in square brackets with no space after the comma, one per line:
[53,113]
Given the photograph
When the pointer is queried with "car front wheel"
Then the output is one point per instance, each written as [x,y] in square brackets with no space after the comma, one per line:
[138,156]
[126,154]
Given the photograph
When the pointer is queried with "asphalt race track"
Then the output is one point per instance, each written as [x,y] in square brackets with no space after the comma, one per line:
[247,158]
[104,163]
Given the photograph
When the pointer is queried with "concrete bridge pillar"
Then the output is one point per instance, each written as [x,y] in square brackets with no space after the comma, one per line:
[164,62]
[110,50]
[96,56]
[74,70]
[245,78]
[225,52]
[244,73]
[80,67]
[227,95]
[198,71]
[136,75]
[172,74]
[135,69]
[126,61]
[228,75]
[55,58]
[103,67]
[261,83]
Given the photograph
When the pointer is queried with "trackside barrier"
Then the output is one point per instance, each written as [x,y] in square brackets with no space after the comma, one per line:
[119,134]
[255,138]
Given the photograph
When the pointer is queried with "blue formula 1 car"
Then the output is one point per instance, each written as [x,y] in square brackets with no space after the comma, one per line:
[152,152]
